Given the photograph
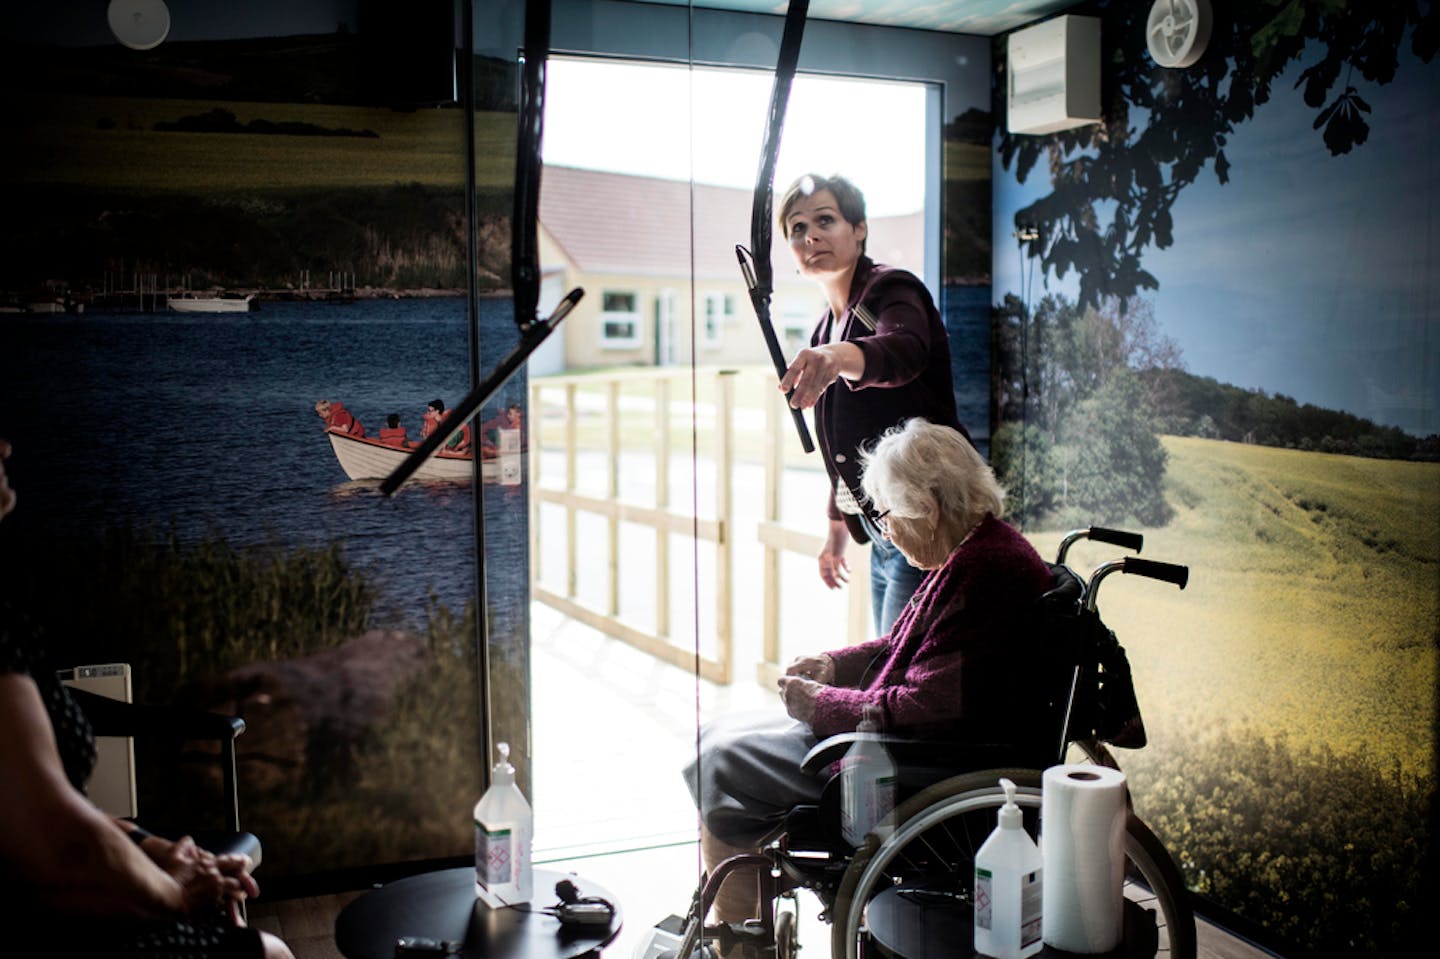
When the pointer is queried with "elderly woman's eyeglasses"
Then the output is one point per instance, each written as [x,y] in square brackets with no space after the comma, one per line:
[881,523]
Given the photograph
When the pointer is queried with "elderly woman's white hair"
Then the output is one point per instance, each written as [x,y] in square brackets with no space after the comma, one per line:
[919,459]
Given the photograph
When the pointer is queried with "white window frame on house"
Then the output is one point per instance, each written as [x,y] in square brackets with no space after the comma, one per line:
[719,313]
[797,320]
[633,316]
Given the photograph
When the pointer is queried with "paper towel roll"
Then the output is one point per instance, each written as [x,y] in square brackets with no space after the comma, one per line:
[1082,841]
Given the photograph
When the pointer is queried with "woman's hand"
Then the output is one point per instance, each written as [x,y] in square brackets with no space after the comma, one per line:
[814,368]
[208,883]
[798,695]
[820,668]
[834,570]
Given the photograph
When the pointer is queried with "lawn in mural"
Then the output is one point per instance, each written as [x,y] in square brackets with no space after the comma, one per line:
[1208,330]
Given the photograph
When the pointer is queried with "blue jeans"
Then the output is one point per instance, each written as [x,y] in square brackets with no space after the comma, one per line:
[892,581]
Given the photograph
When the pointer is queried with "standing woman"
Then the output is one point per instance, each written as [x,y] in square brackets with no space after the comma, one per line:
[878,356]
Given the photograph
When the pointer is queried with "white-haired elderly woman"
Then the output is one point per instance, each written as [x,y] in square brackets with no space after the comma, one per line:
[946,668]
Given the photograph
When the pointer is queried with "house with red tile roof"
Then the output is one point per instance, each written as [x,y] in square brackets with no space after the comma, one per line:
[656,259]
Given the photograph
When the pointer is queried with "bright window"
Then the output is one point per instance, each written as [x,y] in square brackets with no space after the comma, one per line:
[619,319]
[719,313]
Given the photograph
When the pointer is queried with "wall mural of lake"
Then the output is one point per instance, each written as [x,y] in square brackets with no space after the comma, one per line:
[181,507]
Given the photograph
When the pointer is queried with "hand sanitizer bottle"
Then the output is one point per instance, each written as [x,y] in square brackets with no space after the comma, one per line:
[867,782]
[503,828]
[1007,887]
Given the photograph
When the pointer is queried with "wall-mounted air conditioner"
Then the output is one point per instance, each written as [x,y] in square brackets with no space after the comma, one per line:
[1053,71]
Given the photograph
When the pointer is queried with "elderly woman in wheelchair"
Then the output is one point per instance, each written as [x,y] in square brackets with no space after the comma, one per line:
[958,685]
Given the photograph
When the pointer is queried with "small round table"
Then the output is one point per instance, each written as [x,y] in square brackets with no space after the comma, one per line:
[443,905]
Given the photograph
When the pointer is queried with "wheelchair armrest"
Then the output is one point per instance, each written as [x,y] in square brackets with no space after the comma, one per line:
[818,760]
[920,759]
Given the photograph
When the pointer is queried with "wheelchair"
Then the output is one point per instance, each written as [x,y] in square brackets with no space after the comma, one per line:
[948,795]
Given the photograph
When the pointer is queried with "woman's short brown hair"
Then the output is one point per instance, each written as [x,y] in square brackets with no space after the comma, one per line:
[847,196]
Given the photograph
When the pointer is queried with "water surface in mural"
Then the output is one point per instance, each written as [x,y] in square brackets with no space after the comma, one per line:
[1216,320]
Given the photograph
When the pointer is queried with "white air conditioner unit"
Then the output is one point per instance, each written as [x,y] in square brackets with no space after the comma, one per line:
[1053,71]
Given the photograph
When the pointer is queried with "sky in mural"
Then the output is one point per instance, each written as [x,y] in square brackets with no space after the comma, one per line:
[1307,274]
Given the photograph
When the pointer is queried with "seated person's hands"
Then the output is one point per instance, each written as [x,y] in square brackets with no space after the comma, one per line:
[208,883]
[819,667]
[798,695]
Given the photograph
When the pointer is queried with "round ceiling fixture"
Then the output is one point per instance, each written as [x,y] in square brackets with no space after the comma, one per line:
[1178,31]
[139,24]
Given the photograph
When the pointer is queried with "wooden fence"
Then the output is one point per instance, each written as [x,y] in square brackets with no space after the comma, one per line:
[602,402]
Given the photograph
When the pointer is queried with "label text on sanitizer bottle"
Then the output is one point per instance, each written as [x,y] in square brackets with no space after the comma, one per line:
[494,857]
[984,889]
[1030,908]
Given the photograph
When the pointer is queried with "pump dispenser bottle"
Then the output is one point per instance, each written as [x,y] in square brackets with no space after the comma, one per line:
[503,828]
[867,782]
[1007,887]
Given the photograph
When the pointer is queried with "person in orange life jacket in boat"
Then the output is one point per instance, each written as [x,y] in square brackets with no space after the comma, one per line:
[459,441]
[434,413]
[393,433]
[877,357]
[508,420]
[337,417]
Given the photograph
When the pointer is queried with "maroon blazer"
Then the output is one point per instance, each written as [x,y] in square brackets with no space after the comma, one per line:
[907,374]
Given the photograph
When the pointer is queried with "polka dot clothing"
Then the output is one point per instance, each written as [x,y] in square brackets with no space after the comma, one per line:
[28,929]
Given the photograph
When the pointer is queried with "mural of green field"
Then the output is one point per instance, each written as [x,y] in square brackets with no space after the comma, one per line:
[1338,554]
[1289,690]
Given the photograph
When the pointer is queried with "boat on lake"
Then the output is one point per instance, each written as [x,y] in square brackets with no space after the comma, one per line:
[365,458]
[190,303]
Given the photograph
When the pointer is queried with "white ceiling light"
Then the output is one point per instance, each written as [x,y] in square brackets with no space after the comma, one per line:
[139,24]
[1178,31]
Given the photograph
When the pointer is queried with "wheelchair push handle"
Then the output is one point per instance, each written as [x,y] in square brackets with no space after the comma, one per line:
[1165,572]
[1150,569]
[1100,534]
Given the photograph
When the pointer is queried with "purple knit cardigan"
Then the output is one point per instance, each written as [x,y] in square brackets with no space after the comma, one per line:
[950,656]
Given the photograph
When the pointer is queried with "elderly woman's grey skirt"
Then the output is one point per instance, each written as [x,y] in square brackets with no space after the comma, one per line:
[748,775]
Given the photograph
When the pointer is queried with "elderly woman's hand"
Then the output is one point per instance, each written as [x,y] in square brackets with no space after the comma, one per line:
[819,667]
[798,695]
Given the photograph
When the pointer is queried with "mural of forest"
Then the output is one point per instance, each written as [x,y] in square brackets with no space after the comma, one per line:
[1231,348]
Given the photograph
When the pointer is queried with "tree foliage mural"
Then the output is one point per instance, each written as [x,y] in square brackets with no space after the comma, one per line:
[1114,184]
[1077,436]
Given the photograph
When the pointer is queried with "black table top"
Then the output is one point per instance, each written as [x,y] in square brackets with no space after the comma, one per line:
[914,923]
[443,905]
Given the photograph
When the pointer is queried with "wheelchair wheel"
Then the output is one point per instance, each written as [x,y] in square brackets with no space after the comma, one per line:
[787,935]
[933,838]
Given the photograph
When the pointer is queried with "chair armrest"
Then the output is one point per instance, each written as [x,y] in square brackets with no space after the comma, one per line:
[112,717]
